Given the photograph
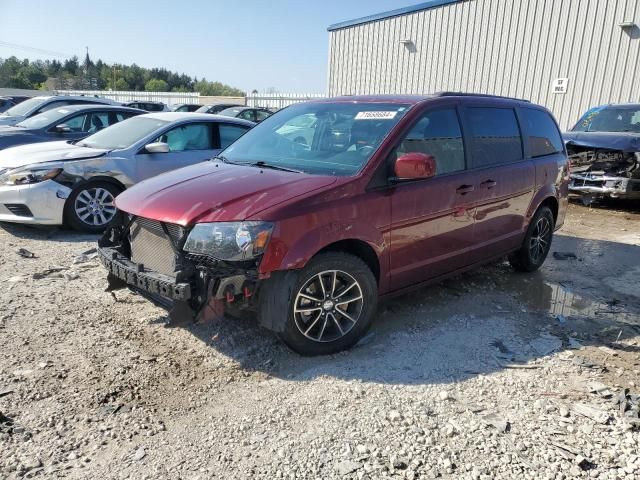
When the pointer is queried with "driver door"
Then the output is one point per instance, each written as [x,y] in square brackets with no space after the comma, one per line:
[188,144]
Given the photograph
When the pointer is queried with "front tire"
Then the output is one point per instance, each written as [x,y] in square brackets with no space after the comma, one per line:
[536,244]
[90,207]
[332,305]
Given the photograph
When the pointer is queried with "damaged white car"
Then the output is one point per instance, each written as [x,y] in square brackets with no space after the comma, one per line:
[76,182]
[604,150]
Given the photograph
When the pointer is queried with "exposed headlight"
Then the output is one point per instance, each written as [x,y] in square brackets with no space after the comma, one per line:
[27,175]
[231,241]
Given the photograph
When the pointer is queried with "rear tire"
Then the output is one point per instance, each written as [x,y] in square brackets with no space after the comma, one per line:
[331,306]
[536,244]
[90,207]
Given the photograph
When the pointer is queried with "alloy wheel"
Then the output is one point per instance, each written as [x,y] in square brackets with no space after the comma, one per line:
[95,207]
[328,306]
[540,239]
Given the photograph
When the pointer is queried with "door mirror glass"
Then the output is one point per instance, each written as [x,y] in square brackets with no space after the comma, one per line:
[63,128]
[414,165]
[157,147]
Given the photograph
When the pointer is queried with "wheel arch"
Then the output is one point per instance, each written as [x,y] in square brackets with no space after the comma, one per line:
[357,248]
[547,196]
[554,206]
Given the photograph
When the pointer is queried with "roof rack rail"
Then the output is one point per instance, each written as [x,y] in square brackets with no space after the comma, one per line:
[487,95]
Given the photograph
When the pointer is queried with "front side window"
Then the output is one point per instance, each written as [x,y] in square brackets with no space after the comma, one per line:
[438,134]
[195,136]
[230,133]
[544,137]
[78,123]
[494,136]
[609,119]
[324,138]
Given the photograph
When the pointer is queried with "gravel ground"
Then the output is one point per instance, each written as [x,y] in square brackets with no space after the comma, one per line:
[489,375]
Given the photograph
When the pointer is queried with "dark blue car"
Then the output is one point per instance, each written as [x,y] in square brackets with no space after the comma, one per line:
[71,122]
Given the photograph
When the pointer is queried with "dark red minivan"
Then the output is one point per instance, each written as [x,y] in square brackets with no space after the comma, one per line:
[325,206]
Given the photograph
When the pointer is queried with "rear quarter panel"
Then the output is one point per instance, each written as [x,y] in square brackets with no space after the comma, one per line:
[552,180]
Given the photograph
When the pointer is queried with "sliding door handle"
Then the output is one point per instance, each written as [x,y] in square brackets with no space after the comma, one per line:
[489,184]
[464,189]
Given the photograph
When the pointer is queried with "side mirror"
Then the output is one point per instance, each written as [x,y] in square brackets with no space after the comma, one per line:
[414,165]
[157,147]
[62,128]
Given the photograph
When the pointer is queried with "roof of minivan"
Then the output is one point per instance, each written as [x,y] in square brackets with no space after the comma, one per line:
[412,99]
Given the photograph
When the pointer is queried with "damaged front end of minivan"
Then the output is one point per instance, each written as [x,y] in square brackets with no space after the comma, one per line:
[173,265]
[605,166]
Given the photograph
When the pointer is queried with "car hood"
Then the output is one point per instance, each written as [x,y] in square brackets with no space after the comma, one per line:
[625,141]
[13,130]
[215,192]
[10,119]
[45,152]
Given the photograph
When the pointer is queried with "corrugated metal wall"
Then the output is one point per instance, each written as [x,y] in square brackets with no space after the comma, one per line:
[504,47]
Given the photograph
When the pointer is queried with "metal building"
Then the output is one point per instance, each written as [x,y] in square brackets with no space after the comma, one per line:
[568,55]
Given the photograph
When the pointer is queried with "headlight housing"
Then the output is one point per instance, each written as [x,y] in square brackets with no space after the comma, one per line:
[30,174]
[229,241]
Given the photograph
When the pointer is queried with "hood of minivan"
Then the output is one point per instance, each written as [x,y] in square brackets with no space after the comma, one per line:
[215,192]
[45,152]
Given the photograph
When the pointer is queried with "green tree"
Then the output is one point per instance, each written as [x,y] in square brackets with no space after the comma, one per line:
[71,73]
[121,84]
[156,85]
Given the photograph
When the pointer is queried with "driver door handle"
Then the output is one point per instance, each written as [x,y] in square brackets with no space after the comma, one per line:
[464,189]
[489,184]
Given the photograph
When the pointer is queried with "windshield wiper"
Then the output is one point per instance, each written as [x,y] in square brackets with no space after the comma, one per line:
[263,164]
[222,158]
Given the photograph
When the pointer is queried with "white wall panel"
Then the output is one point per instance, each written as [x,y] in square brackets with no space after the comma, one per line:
[504,47]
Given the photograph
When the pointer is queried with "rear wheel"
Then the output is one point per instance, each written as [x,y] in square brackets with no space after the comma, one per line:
[332,305]
[90,208]
[536,244]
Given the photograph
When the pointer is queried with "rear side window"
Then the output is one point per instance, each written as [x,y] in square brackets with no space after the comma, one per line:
[544,137]
[230,133]
[437,133]
[247,115]
[494,136]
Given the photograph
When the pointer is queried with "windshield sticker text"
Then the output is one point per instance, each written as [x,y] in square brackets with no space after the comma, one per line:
[375,115]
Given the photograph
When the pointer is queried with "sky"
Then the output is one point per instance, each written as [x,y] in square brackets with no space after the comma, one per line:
[248,44]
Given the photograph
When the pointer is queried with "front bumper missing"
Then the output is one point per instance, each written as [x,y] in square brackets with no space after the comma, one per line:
[194,283]
[120,267]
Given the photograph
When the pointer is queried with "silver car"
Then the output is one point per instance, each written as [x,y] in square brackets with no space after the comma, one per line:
[75,183]
[37,105]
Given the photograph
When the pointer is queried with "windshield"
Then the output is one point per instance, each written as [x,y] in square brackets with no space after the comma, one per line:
[45,119]
[610,119]
[123,134]
[203,109]
[318,138]
[26,107]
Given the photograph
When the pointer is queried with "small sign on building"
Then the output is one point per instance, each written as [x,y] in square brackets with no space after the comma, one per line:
[560,85]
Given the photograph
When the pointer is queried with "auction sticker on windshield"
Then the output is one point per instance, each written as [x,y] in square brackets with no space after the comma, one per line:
[375,115]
